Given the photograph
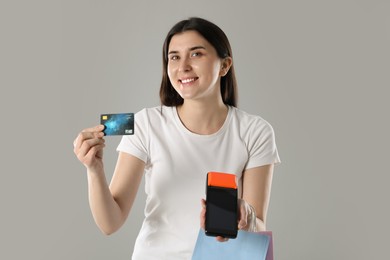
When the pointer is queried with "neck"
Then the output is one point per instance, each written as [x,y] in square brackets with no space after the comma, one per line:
[202,118]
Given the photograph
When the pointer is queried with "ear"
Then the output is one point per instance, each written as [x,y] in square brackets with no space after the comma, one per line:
[225,66]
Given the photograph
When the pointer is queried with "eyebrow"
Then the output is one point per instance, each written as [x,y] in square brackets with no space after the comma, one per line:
[191,49]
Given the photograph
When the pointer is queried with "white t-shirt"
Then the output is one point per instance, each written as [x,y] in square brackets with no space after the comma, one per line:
[177,162]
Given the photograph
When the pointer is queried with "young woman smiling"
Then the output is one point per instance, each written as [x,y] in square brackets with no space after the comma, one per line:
[197,129]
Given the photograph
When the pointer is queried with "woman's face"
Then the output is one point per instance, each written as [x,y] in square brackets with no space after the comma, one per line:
[194,67]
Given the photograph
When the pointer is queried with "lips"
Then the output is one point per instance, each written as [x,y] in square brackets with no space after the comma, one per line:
[187,80]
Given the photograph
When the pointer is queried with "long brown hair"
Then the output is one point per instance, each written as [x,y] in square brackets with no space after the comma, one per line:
[217,38]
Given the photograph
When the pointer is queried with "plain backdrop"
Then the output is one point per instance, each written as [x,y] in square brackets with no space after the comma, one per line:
[318,71]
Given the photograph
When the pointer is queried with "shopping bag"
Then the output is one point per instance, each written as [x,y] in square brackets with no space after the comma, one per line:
[247,246]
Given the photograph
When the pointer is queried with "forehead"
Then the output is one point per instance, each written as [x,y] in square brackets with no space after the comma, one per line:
[186,40]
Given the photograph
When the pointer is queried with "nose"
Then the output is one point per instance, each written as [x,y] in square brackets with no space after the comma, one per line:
[184,65]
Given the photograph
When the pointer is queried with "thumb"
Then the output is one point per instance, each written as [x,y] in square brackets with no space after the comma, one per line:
[242,223]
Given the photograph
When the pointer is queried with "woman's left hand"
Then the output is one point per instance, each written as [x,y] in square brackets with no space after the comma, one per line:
[246,217]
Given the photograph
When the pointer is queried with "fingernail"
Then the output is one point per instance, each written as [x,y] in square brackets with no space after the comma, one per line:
[241,225]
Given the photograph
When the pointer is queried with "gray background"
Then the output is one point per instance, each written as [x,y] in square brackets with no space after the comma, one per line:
[318,71]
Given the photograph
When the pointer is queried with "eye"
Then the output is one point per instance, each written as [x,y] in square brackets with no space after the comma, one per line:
[196,54]
[173,57]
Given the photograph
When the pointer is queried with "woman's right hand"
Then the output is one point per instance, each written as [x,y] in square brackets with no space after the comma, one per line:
[88,147]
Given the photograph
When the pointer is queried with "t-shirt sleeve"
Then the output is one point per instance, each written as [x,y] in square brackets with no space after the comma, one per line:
[137,144]
[262,145]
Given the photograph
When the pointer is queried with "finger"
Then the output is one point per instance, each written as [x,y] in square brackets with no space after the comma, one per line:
[203,202]
[91,157]
[97,128]
[222,239]
[203,214]
[243,216]
[85,136]
[92,153]
[87,145]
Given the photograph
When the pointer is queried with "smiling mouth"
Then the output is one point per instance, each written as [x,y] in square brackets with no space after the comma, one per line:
[187,80]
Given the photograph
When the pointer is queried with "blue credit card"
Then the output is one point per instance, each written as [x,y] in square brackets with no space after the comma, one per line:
[118,124]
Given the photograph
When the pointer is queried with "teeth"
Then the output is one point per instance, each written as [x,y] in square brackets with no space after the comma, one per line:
[184,81]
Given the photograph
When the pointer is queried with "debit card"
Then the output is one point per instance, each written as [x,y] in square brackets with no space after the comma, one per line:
[118,124]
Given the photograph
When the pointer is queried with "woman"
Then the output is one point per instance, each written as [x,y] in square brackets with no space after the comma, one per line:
[197,129]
